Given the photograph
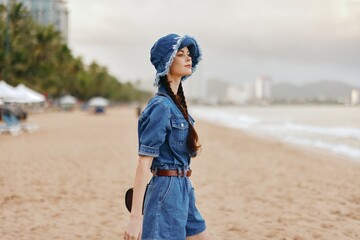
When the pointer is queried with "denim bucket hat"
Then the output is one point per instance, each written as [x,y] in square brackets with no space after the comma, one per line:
[164,50]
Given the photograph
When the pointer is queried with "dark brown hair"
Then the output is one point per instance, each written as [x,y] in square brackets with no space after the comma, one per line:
[180,101]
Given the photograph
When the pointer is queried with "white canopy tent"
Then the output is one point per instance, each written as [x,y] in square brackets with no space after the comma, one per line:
[98,102]
[9,93]
[68,100]
[30,96]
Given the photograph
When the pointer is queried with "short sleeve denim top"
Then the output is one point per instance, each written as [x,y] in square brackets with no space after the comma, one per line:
[162,133]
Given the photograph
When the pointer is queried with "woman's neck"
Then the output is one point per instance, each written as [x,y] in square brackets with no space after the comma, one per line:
[174,82]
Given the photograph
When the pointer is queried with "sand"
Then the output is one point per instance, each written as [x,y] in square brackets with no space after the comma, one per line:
[68,179]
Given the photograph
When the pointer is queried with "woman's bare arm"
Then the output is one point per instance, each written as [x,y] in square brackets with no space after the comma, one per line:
[133,230]
[141,179]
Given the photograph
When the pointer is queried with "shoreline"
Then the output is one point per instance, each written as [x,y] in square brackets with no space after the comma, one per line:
[268,137]
[316,137]
[275,185]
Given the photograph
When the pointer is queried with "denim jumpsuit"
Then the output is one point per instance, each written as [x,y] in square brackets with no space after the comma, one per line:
[169,209]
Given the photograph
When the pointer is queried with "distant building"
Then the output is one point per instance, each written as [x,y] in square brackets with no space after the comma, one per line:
[263,88]
[48,12]
[355,97]
[239,95]
[249,90]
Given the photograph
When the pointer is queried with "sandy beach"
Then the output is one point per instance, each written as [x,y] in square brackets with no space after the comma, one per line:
[68,179]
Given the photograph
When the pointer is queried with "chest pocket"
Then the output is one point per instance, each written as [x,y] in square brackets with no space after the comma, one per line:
[179,133]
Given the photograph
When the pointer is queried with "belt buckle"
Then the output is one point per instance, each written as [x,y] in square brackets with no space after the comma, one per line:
[187,171]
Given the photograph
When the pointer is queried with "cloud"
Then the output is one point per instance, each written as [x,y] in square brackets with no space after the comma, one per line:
[297,33]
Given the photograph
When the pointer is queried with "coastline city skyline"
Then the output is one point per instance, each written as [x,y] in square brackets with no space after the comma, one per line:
[212,89]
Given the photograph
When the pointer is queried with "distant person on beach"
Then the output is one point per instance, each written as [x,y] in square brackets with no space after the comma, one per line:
[167,142]
[12,115]
[138,111]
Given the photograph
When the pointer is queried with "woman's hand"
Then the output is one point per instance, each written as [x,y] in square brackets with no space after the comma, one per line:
[133,230]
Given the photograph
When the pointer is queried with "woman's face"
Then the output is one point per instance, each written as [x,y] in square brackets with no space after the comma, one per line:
[181,66]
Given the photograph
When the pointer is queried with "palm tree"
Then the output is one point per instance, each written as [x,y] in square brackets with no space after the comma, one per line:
[39,58]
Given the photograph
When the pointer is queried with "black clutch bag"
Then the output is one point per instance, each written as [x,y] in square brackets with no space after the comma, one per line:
[129,198]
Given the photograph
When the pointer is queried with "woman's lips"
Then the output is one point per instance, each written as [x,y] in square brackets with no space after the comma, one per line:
[188,66]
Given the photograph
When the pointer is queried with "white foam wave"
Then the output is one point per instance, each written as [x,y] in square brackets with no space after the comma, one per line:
[288,131]
[335,148]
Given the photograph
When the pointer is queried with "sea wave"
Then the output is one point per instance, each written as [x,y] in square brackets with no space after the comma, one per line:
[335,148]
[335,139]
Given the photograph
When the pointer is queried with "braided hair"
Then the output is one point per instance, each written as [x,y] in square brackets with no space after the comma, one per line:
[179,99]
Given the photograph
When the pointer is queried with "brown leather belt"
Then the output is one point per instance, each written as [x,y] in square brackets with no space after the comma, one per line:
[171,173]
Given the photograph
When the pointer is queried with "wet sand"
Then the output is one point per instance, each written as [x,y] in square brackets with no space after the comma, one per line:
[68,179]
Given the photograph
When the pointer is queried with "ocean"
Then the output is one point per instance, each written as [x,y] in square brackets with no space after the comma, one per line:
[334,129]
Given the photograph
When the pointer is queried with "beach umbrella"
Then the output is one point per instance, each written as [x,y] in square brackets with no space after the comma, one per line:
[30,96]
[67,100]
[98,102]
[8,93]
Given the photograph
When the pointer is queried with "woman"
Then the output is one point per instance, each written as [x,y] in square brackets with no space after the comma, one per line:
[167,141]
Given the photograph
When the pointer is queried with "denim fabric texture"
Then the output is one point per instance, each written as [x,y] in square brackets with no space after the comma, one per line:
[170,212]
[162,133]
[164,50]
[169,209]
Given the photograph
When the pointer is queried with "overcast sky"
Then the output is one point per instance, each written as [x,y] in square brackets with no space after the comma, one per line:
[292,41]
